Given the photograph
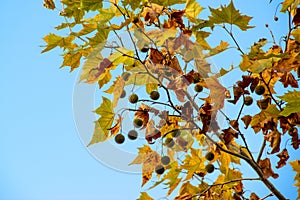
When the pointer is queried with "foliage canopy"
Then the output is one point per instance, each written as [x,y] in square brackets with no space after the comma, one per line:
[163,46]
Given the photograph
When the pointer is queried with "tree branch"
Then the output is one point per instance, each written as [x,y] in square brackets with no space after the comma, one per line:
[227,182]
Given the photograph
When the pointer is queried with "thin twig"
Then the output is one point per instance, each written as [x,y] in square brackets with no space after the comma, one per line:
[261,150]
[269,195]
[234,40]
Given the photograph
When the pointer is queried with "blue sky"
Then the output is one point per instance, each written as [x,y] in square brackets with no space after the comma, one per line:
[41,155]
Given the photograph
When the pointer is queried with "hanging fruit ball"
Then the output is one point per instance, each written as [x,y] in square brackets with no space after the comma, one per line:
[145,49]
[198,88]
[248,100]
[132,134]
[154,95]
[210,168]
[210,156]
[133,98]
[159,169]
[137,122]
[165,160]
[260,90]
[119,139]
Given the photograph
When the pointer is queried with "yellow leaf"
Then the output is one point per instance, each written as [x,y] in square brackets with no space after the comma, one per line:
[296,167]
[149,160]
[192,10]
[119,27]
[104,123]
[200,39]
[53,41]
[144,196]
[72,60]
[293,102]
[119,87]
[218,49]
[224,159]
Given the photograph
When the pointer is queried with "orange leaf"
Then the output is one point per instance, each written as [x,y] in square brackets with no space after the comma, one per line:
[156,56]
[116,128]
[217,92]
[253,196]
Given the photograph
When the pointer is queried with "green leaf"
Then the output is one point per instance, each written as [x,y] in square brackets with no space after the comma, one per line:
[101,132]
[229,14]
[192,10]
[200,39]
[293,102]
[53,41]
[72,60]
[270,112]
[289,3]
[100,37]
[296,34]
[87,28]
[122,56]
[91,5]
[257,66]
[168,2]
[134,4]
[144,196]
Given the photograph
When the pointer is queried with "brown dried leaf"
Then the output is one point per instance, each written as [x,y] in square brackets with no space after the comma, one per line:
[237,93]
[217,92]
[289,79]
[174,64]
[234,124]
[247,119]
[49,4]
[283,156]
[156,56]
[187,111]
[274,138]
[151,132]
[295,138]
[266,168]
[176,16]
[228,135]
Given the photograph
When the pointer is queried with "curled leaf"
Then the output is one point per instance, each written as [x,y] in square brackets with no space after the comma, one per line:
[283,156]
